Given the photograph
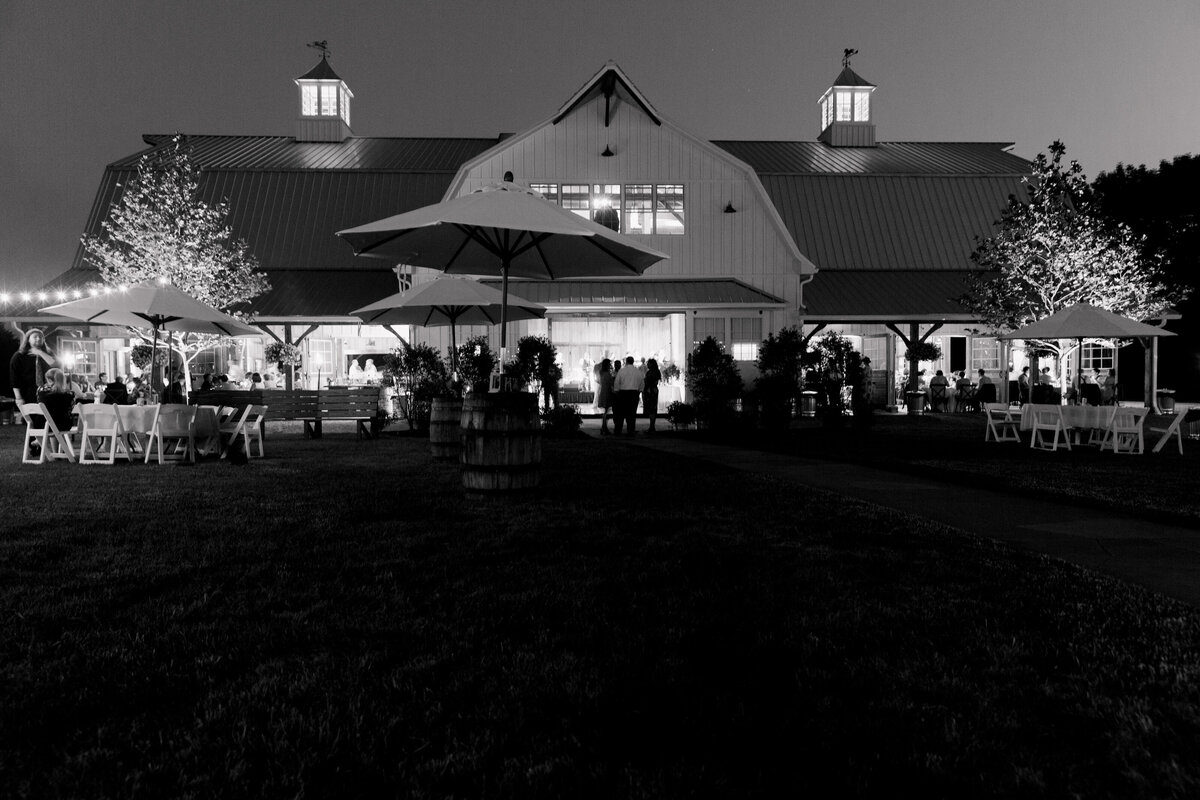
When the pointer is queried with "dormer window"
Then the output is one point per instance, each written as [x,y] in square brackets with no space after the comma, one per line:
[325,99]
[846,110]
[324,104]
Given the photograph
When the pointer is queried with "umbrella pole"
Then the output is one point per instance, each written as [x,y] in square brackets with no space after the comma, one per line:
[503,315]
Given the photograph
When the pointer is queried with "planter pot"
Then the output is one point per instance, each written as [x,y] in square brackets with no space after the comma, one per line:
[808,404]
[915,402]
[501,442]
[1167,403]
[444,420]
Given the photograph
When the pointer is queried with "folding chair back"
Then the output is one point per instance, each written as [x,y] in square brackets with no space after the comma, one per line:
[252,429]
[939,396]
[101,434]
[1175,428]
[1048,421]
[1001,425]
[173,434]
[51,443]
[231,422]
[1125,431]
[966,399]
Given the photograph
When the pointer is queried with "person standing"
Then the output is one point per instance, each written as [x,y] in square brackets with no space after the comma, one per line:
[628,385]
[1023,386]
[27,368]
[650,392]
[604,393]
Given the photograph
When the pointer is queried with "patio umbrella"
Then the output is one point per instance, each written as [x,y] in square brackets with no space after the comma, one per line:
[152,305]
[1085,321]
[448,301]
[505,230]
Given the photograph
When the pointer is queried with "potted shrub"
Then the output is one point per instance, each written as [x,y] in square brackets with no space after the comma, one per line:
[1166,400]
[476,362]
[680,414]
[715,383]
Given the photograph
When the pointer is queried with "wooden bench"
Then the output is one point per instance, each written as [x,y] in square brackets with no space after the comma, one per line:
[310,406]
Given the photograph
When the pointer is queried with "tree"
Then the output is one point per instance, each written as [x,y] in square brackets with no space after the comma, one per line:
[1163,206]
[714,381]
[162,230]
[1051,251]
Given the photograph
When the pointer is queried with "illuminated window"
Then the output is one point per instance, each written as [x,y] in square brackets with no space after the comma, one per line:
[320,357]
[826,111]
[746,335]
[308,100]
[546,190]
[639,207]
[345,105]
[668,208]
[606,205]
[328,100]
[1097,356]
[576,197]
[78,357]
[985,354]
[862,106]
[843,105]
[704,327]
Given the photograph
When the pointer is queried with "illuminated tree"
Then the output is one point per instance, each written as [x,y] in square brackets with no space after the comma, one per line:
[1051,251]
[162,230]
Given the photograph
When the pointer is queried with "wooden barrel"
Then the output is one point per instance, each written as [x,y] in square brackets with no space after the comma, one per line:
[501,441]
[443,428]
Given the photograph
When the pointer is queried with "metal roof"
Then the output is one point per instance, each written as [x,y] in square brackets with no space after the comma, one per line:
[890,158]
[321,72]
[642,294]
[889,221]
[355,153]
[886,296]
[321,293]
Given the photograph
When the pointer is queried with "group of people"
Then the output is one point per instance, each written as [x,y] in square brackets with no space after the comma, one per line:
[1092,390]
[619,388]
[969,394]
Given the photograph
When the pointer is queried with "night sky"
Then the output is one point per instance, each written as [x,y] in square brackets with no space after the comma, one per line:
[82,81]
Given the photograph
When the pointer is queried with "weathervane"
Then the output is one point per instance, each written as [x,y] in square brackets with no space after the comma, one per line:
[323,46]
[846,54]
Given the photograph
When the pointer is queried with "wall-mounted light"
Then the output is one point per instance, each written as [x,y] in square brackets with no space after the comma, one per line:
[729,209]
[607,152]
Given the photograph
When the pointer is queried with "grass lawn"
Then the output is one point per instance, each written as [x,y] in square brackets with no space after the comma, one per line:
[951,447]
[340,619]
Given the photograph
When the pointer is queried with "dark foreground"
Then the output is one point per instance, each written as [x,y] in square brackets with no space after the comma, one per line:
[341,620]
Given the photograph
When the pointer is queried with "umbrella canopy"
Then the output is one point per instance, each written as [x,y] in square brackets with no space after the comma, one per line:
[502,230]
[1085,321]
[151,305]
[448,301]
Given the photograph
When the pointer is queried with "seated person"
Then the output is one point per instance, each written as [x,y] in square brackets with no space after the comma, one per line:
[985,390]
[116,393]
[939,391]
[58,399]
[174,393]
[207,383]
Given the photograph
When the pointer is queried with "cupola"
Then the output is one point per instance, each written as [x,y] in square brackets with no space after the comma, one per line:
[846,109]
[324,103]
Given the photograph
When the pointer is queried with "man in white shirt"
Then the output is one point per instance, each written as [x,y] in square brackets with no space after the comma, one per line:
[628,386]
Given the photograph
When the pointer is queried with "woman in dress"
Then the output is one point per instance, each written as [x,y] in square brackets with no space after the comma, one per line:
[28,367]
[650,392]
[604,392]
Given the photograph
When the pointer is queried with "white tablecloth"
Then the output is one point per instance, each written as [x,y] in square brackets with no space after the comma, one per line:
[1073,416]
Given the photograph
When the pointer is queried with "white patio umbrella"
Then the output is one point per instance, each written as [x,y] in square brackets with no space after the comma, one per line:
[1085,321]
[505,230]
[448,301]
[152,305]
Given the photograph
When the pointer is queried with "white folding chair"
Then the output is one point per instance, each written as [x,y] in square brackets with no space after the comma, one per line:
[52,444]
[1046,421]
[1173,429]
[101,435]
[1125,431]
[211,442]
[1001,425]
[174,434]
[229,426]
[252,429]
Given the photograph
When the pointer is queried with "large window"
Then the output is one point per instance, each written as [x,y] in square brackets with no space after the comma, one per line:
[745,333]
[985,354]
[78,357]
[635,208]
[1096,356]
[320,358]
[703,327]
[321,100]
[668,208]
